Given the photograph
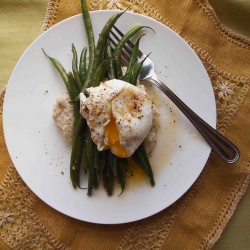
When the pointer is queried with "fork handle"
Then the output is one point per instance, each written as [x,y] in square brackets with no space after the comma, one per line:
[222,146]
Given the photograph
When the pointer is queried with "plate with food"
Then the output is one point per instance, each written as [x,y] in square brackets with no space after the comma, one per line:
[103,147]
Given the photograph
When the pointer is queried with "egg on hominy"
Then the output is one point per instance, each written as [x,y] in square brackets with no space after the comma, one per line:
[119,116]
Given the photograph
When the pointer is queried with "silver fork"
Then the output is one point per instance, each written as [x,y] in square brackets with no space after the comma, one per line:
[221,145]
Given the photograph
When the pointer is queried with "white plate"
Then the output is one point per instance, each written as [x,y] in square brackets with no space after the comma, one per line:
[41,157]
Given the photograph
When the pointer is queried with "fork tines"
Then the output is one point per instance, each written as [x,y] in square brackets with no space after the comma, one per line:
[129,43]
[125,52]
[114,37]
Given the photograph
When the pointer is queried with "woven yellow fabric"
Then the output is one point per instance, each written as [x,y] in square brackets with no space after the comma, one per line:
[197,219]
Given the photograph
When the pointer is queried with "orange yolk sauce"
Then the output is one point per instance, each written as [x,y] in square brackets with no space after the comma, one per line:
[114,143]
[114,140]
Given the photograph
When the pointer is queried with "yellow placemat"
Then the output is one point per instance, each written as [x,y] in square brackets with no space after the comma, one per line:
[198,218]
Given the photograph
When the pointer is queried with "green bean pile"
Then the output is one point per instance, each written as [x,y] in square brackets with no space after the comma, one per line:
[103,63]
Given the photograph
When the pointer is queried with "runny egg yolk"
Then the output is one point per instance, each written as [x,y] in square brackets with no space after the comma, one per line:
[112,134]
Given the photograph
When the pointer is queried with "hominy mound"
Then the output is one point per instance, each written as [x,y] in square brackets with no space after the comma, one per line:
[64,116]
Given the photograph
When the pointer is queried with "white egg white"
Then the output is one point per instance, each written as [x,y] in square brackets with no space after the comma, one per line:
[130,106]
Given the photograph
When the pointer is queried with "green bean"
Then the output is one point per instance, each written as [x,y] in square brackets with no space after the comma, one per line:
[132,60]
[103,37]
[61,70]
[73,89]
[103,160]
[75,67]
[91,178]
[121,178]
[108,177]
[118,48]
[96,158]
[100,71]
[75,152]
[113,161]
[74,93]
[110,62]
[91,43]
[83,64]
[136,71]
[84,160]
[78,158]
[92,174]
[141,158]
[124,163]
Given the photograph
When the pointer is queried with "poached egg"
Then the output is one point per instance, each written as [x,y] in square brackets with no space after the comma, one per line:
[119,116]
